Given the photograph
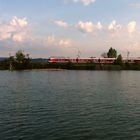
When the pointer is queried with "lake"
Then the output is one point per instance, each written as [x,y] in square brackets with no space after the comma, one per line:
[69,105]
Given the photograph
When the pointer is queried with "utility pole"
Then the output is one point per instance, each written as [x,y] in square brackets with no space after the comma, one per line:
[78,53]
[10,63]
[128,53]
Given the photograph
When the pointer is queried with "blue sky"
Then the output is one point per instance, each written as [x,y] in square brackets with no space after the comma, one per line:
[46,28]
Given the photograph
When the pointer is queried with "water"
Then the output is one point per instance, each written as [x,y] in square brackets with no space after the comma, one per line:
[70,105]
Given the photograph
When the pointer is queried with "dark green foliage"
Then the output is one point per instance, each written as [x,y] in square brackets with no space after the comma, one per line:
[4,65]
[20,57]
[134,66]
[119,60]
[18,62]
[112,53]
[38,65]
[22,61]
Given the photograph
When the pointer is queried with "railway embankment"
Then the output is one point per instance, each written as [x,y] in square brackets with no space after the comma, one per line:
[69,66]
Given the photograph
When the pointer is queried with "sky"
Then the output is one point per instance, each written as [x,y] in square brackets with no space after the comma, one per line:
[45,28]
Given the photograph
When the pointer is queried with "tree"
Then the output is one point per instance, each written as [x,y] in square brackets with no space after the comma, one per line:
[119,60]
[112,53]
[20,56]
[22,61]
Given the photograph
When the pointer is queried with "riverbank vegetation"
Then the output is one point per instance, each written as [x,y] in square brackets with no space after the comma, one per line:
[22,61]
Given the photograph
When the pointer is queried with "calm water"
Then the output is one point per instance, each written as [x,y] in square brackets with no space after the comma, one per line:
[70,105]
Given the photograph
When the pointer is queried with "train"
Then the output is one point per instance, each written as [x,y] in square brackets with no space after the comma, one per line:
[91,60]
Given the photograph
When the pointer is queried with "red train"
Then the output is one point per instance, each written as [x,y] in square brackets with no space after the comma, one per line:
[88,60]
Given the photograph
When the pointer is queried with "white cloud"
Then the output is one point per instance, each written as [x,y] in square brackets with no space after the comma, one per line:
[89,27]
[19,22]
[82,26]
[85,2]
[85,26]
[6,28]
[65,43]
[122,30]
[99,26]
[19,37]
[14,30]
[6,31]
[5,36]
[61,23]
[114,27]
[58,42]
[131,27]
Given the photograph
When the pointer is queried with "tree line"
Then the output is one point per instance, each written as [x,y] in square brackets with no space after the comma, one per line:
[22,61]
[112,53]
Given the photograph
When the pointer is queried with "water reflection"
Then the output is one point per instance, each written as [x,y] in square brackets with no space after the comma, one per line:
[69,105]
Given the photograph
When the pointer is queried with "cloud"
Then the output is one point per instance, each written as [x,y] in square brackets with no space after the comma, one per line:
[85,26]
[61,23]
[19,37]
[65,43]
[131,27]
[99,26]
[122,30]
[85,2]
[58,42]
[6,31]
[88,27]
[5,36]
[14,30]
[114,27]
[19,22]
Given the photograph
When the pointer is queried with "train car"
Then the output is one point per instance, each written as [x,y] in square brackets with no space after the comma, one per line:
[82,60]
[58,60]
[92,60]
